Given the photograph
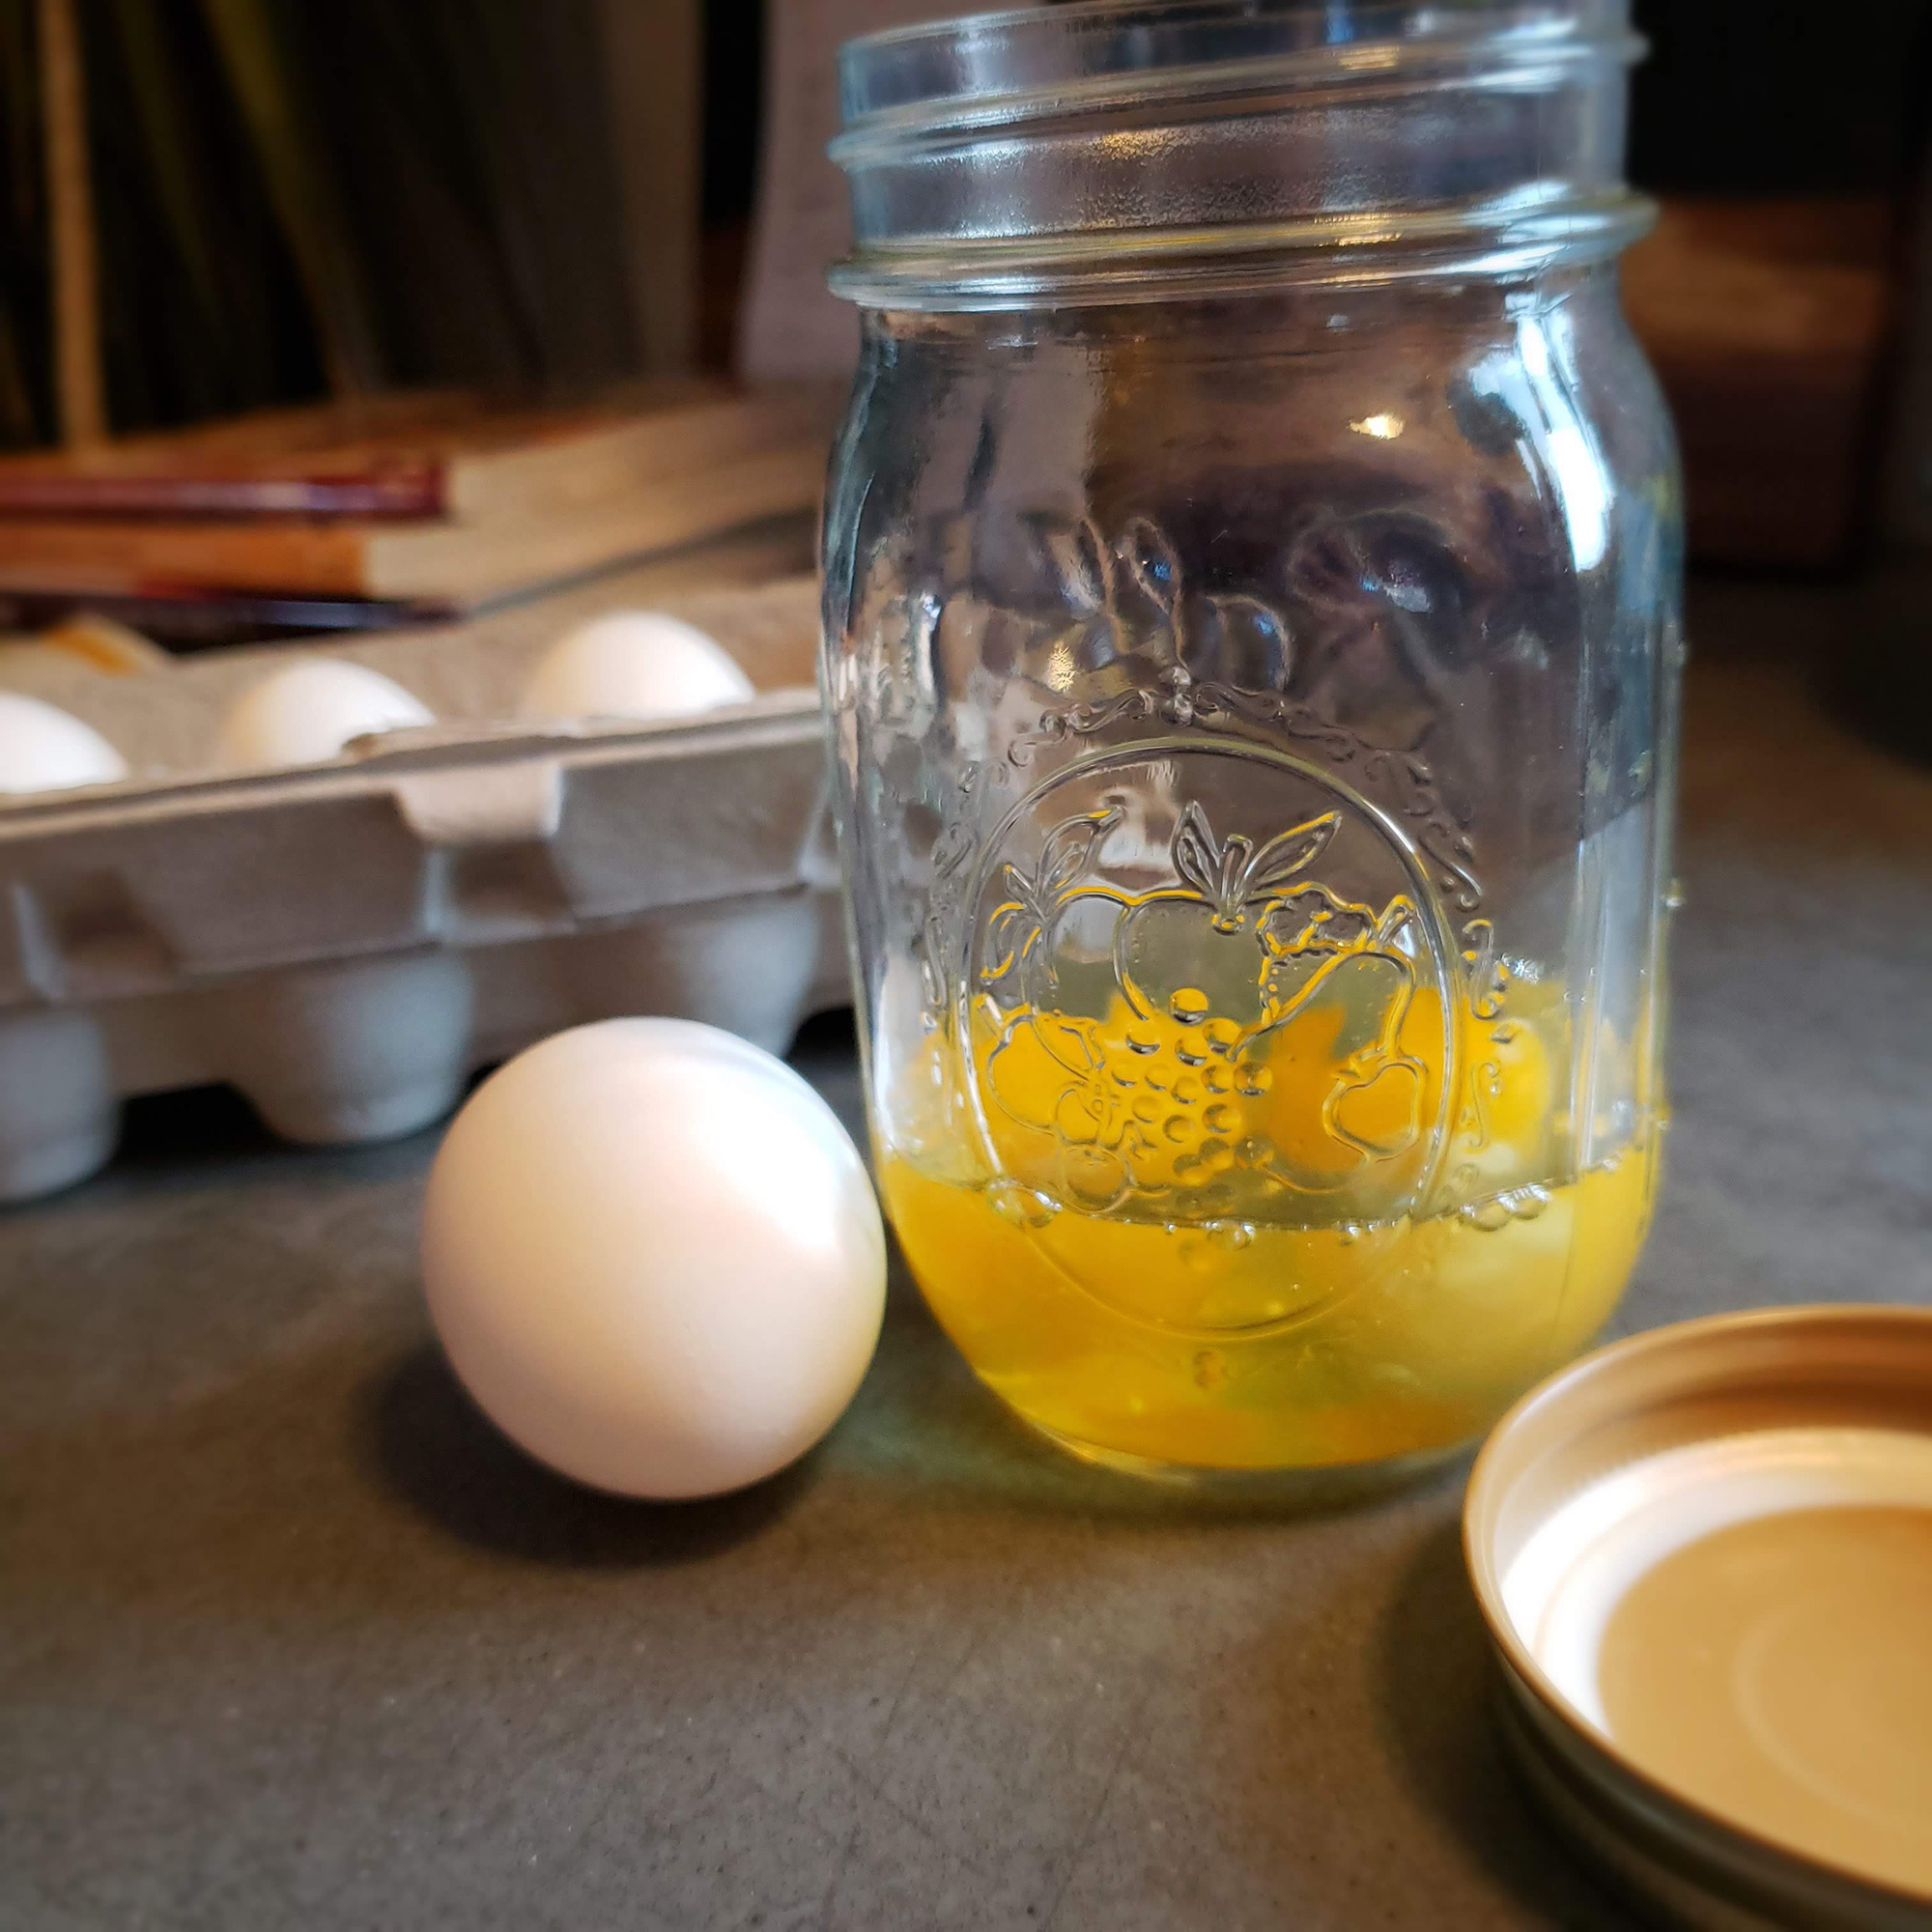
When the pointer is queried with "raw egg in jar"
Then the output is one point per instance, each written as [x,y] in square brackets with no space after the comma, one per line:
[1306,1300]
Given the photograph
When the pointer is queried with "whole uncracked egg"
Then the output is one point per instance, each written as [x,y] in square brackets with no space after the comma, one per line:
[45,748]
[654,1257]
[632,664]
[307,712]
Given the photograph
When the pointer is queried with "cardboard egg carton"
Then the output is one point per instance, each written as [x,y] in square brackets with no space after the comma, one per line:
[347,943]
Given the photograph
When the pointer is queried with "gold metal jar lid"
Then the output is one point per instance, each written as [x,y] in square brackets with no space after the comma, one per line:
[1705,1558]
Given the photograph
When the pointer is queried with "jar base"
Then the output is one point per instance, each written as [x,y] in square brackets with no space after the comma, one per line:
[1301,1487]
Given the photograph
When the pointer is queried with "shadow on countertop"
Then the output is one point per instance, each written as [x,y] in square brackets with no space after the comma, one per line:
[1439,1719]
[442,1457]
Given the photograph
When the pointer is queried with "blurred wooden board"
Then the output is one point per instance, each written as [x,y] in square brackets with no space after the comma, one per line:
[443,560]
[779,546]
[1769,324]
[410,454]
[503,502]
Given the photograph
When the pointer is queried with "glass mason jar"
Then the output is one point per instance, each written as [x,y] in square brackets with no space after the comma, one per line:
[1252,585]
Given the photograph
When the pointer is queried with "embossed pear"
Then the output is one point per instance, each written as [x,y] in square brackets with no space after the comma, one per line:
[1379,1114]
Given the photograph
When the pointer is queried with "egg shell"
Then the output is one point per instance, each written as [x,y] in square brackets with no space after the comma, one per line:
[305,714]
[42,748]
[654,1257]
[632,664]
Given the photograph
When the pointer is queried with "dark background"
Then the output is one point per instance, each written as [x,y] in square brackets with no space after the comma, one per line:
[1781,97]
[1776,96]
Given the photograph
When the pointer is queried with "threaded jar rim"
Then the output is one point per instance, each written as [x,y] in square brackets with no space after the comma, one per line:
[1118,149]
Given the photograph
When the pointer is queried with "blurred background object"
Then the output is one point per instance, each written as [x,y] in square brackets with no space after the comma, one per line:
[1770,297]
[1769,323]
[289,203]
[458,232]
[291,199]
[1909,480]
[792,324]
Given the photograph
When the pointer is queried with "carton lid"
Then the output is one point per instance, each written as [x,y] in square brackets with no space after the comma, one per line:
[1705,1558]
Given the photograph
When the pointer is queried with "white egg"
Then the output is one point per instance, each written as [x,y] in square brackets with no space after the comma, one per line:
[46,749]
[305,714]
[654,1257]
[632,664]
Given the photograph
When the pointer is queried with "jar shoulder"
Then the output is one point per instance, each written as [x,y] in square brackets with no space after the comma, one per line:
[1444,470]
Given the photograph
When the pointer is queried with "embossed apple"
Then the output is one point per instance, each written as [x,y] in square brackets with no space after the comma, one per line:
[1209,1046]
[1192,953]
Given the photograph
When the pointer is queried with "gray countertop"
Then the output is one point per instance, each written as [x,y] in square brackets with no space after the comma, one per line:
[289,1638]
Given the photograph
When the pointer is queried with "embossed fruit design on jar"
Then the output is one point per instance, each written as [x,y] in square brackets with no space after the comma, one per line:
[1251,568]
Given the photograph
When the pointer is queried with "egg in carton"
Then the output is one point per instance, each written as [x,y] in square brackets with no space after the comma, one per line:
[346,941]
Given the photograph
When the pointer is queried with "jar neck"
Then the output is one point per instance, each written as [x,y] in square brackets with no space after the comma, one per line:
[1134,149]
[1271,319]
